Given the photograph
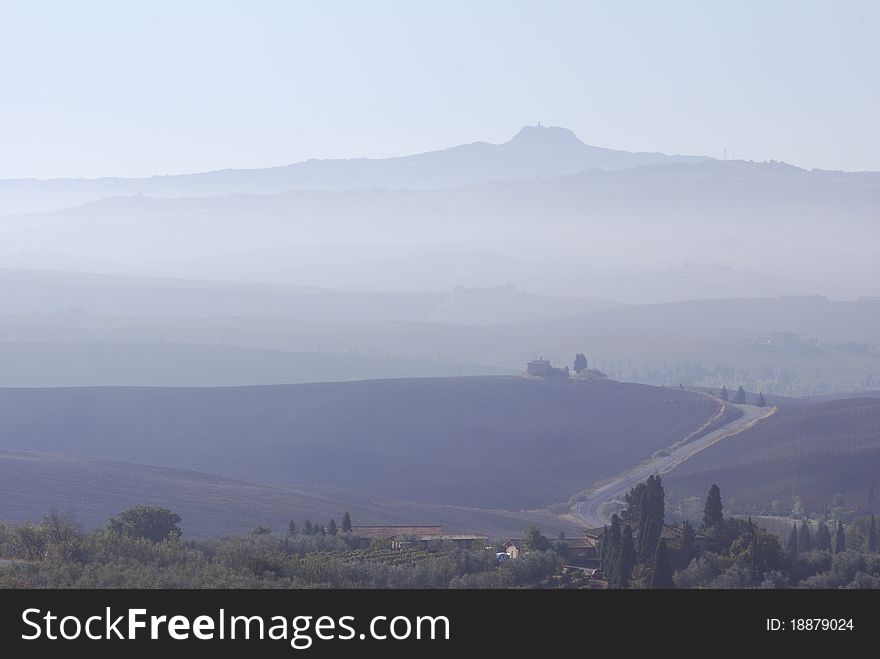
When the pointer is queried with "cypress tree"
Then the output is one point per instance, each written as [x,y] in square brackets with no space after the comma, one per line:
[740,396]
[615,534]
[307,527]
[839,539]
[644,524]
[291,528]
[761,402]
[872,536]
[652,511]
[805,537]
[793,542]
[603,551]
[346,523]
[712,513]
[688,541]
[661,568]
[331,527]
[823,537]
[627,559]
[753,547]
[724,395]
[613,555]
[633,512]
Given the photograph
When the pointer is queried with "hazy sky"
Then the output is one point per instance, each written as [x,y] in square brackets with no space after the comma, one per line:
[124,88]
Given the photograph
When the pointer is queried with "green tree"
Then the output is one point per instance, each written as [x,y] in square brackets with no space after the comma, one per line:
[872,536]
[331,527]
[805,537]
[761,402]
[346,522]
[149,522]
[61,537]
[307,528]
[839,539]
[724,395]
[740,396]
[580,363]
[291,528]
[713,517]
[534,539]
[792,546]
[661,568]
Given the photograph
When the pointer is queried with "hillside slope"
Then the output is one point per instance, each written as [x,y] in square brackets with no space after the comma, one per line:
[812,451]
[168,364]
[487,442]
[91,490]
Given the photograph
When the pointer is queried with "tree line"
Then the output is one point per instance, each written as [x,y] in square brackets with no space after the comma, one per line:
[638,550]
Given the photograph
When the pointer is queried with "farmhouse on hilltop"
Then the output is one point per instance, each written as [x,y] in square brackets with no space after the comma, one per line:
[541,368]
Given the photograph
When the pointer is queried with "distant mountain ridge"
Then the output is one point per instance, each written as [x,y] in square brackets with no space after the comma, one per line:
[535,151]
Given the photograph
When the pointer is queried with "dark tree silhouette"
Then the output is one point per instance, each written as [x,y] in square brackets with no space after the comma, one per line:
[724,395]
[712,513]
[651,518]
[805,537]
[627,559]
[688,542]
[872,536]
[793,542]
[761,402]
[346,523]
[754,548]
[839,539]
[633,511]
[331,527]
[740,396]
[580,363]
[149,522]
[612,551]
[823,537]
[534,539]
[661,569]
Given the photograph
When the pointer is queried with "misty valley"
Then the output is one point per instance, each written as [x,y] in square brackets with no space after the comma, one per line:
[537,363]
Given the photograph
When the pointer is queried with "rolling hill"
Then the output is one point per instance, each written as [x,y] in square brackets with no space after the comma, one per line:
[812,451]
[563,234]
[484,442]
[791,346]
[92,489]
[23,291]
[168,364]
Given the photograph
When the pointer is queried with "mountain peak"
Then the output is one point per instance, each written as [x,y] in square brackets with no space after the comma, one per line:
[542,135]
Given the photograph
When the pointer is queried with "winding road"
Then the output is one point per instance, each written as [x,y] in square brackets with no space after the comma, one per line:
[611,490]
